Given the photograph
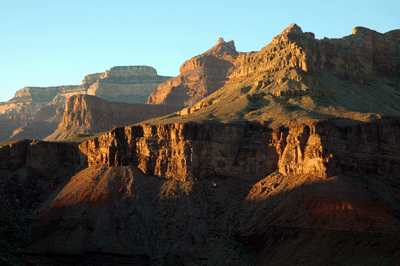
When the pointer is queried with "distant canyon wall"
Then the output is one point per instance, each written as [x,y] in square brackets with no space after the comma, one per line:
[122,83]
[35,112]
[87,114]
[200,76]
[131,84]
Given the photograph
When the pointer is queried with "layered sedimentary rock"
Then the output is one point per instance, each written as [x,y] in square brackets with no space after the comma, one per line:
[183,152]
[87,114]
[297,77]
[34,107]
[245,184]
[360,57]
[34,112]
[292,162]
[251,150]
[30,99]
[117,83]
[200,76]
[132,84]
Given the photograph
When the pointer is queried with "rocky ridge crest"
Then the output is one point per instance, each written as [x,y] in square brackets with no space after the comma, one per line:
[200,76]
[297,77]
[359,57]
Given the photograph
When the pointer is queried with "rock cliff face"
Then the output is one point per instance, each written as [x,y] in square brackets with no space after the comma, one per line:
[33,112]
[293,162]
[200,76]
[33,107]
[29,100]
[299,78]
[132,84]
[361,57]
[86,114]
[186,152]
[228,188]
[30,153]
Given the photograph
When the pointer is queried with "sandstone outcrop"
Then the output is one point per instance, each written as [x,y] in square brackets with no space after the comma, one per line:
[200,76]
[183,152]
[299,78]
[32,108]
[87,114]
[361,57]
[27,101]
[131,84]
[186,152]
[34,112]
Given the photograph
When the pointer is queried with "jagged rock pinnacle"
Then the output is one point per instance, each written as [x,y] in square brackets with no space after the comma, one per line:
[200,76]
[229,44]
[293,28]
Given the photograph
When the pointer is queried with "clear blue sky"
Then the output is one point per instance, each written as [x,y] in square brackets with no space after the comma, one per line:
[58,42]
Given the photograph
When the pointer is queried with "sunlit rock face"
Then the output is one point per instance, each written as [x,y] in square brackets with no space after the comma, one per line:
[87,114]
[186,152]
[35,112]
[200,76]
[299,78]
[132,84]
[360,57]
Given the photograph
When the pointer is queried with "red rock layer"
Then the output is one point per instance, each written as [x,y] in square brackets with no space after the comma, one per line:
[200,76]
[251,150]
[361,57]
[86,114]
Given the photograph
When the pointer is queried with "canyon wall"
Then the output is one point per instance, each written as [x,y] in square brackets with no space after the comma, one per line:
[362,57]
[40,155]
[296,159]
[200,76]
[27,101]
[35,112]
[251,150]
[183,187]
[87,114]
[30,173]
[131,84]
[184,151]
